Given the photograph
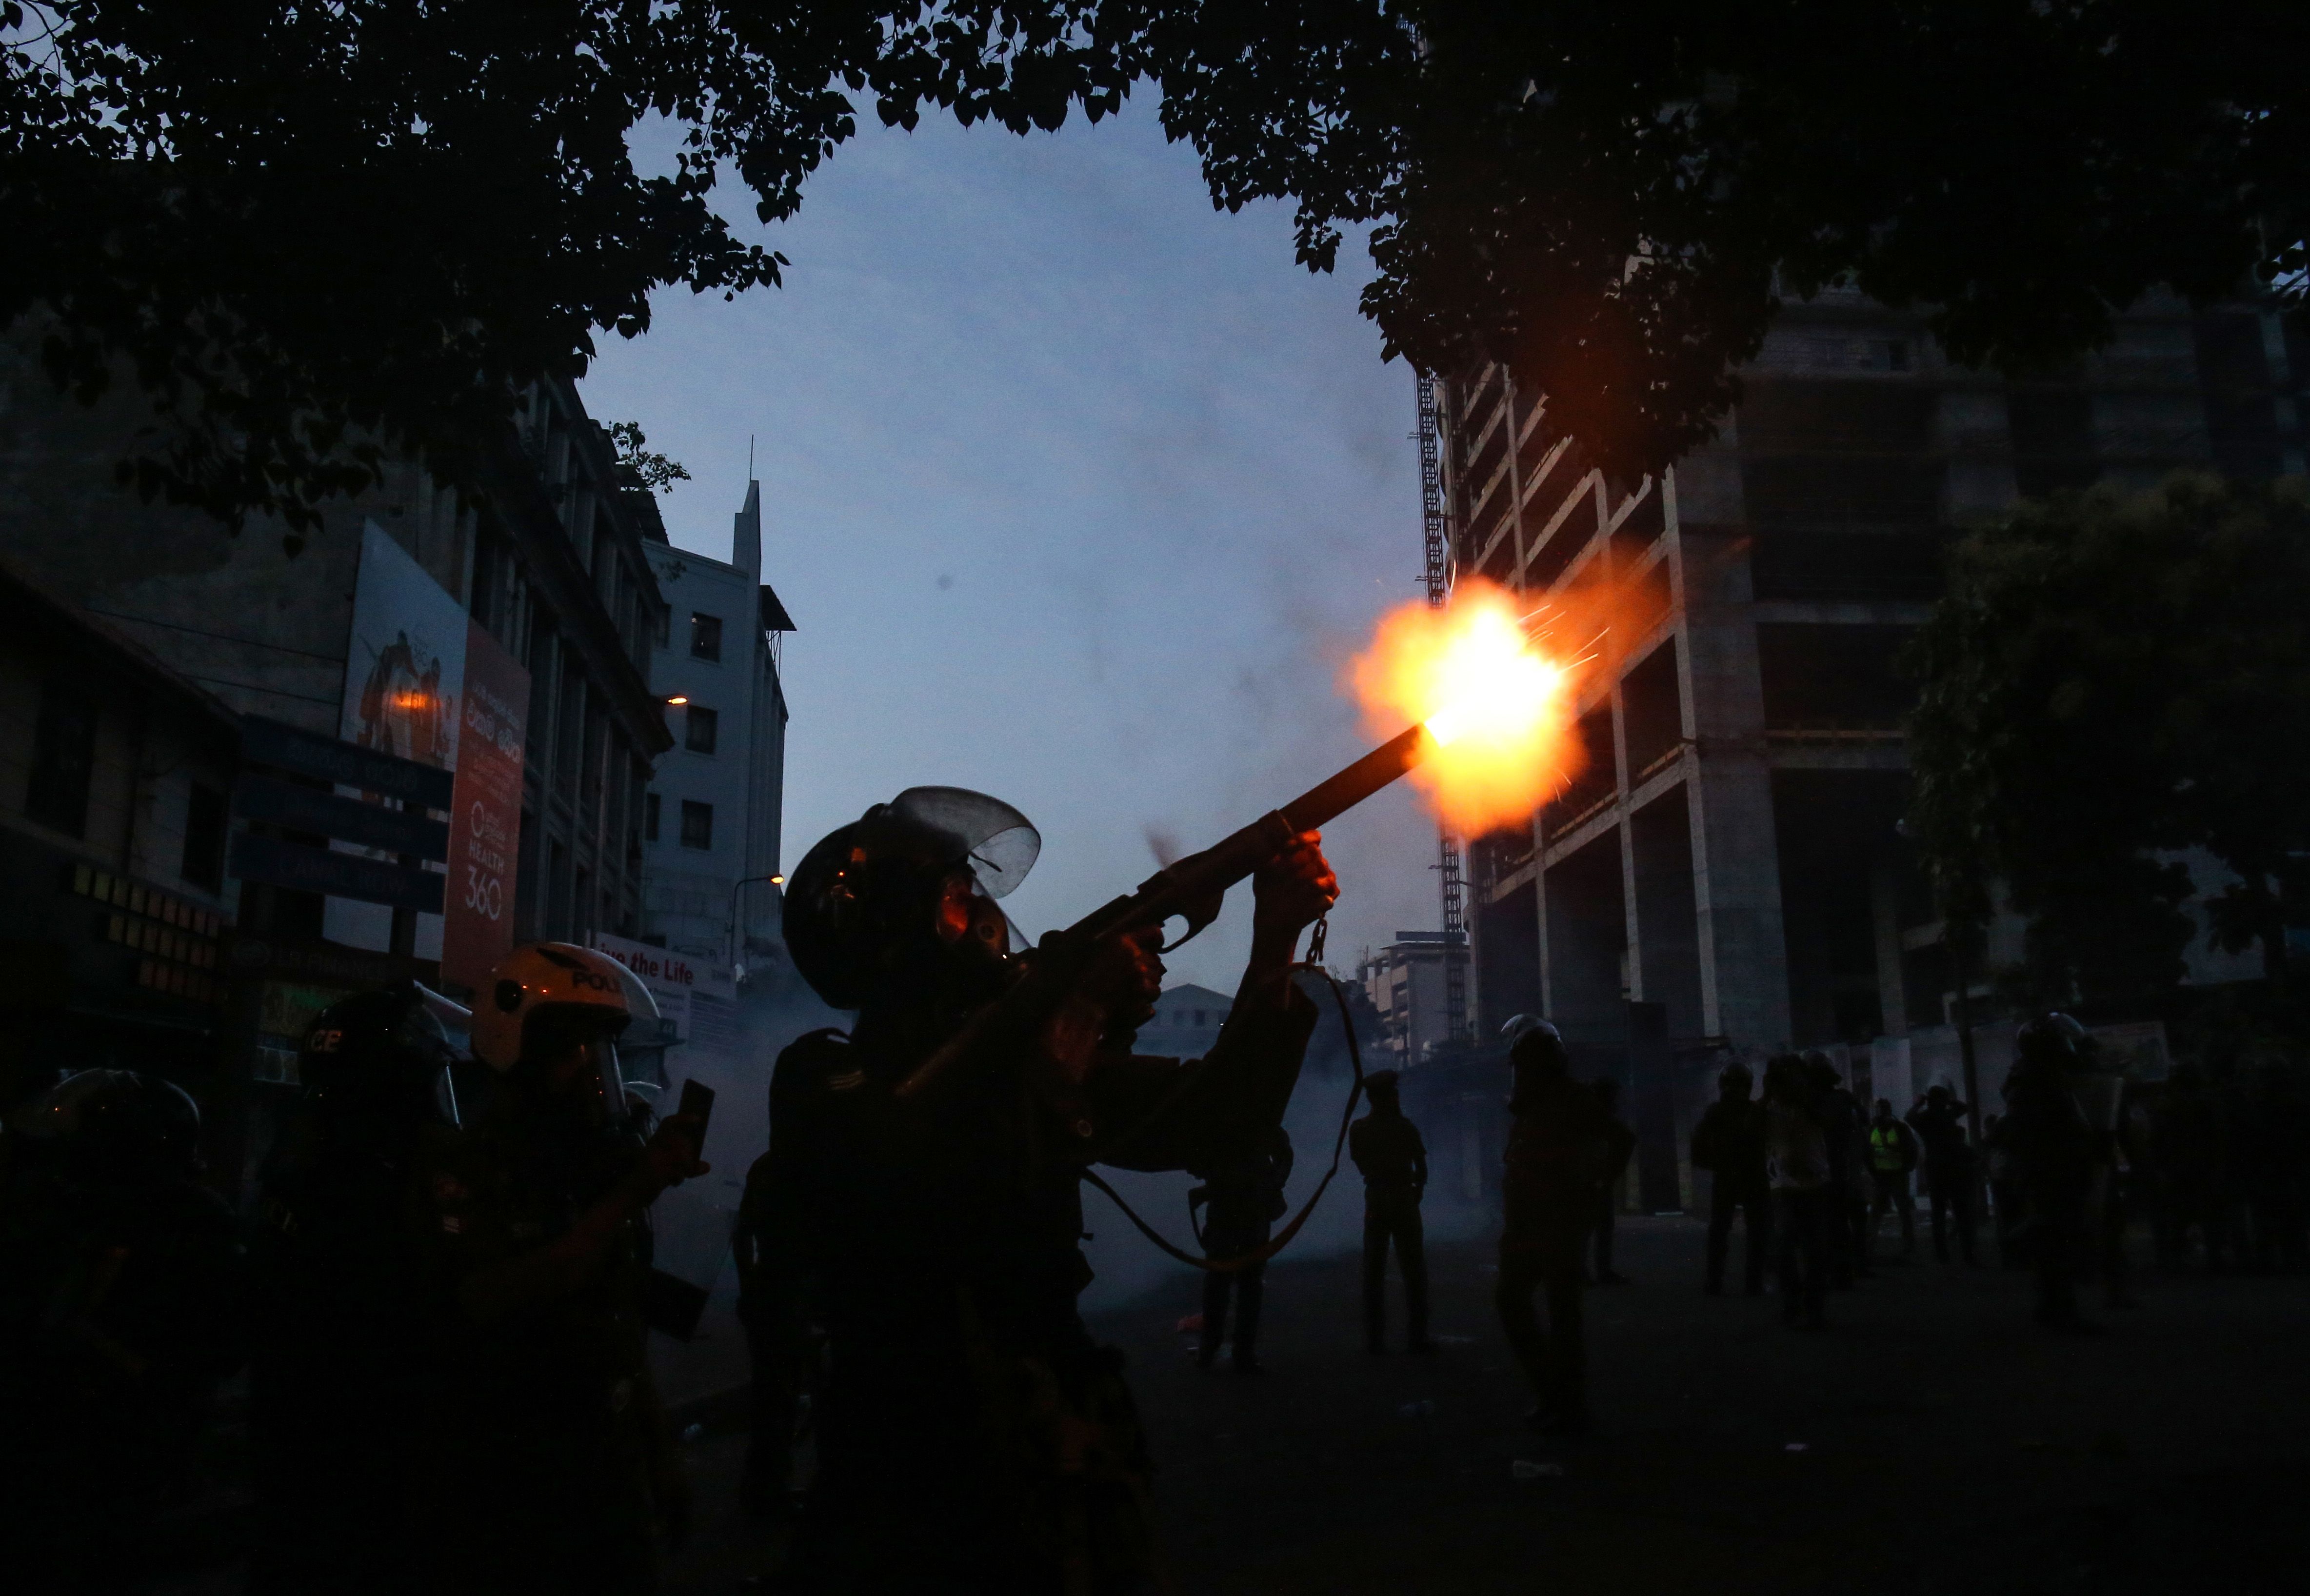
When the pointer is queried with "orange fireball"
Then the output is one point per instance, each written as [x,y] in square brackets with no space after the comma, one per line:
[1497,691]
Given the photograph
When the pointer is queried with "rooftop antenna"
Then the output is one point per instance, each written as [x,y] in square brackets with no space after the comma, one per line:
[750,457]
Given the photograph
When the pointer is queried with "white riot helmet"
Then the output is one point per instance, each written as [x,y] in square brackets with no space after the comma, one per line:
[555,981]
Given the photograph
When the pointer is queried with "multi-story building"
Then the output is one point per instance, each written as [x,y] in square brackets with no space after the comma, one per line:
[114,775]
[1410,982]
[513,628]
[710,818]
[1186,1022]
[1729,853]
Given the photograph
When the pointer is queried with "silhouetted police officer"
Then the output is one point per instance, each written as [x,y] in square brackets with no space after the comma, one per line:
[973,1436]
[1245,1192]
[548,1461]
[1729,1142]
[1555,1160]
[1388,1153]
[1940,1122]
[337,1378]
[2055,1152]
[125,1310]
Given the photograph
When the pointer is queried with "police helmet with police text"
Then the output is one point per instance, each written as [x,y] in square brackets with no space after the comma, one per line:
[546,991]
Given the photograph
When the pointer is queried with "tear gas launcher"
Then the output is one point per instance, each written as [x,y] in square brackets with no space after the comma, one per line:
[1189,889]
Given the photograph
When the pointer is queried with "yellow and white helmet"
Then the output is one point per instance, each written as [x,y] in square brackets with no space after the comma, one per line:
[560,979]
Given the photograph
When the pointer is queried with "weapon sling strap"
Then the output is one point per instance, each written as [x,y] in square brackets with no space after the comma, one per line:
[1282,1238]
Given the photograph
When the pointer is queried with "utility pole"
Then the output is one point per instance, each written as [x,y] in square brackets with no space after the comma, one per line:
[1436,526]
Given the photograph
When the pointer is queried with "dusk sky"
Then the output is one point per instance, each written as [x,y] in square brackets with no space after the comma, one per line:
[1081,493]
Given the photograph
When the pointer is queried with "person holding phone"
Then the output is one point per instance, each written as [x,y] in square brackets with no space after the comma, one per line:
[549,1463]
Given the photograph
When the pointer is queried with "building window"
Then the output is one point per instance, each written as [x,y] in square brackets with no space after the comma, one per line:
[706,636]
[697,824]
[649,817]
[203,863]
[705,729]
[63,754]
[665,629]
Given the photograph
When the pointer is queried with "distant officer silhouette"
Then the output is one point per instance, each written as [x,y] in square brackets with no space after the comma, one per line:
[1393,1162]
[1557,1155]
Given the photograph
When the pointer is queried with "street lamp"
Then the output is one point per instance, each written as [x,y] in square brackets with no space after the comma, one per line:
[737,969]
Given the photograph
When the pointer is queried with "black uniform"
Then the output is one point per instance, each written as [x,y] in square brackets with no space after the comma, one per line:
[1557,1156]
[1844,1209]
[123,1312]
[2055,1152]
[1246,1197]
[774,1304]
[1730,1143]
[336,1380]
[547,1460]
[1939,1124]
[973,1436]
[1393,1162]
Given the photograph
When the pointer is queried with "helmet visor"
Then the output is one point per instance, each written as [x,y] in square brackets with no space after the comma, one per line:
[1000,844]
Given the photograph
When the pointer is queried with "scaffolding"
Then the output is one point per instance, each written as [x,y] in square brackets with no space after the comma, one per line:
[1436,528]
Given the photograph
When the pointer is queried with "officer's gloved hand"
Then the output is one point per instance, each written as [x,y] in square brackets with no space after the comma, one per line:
[1125,977]
[1294,890]
[671,1156]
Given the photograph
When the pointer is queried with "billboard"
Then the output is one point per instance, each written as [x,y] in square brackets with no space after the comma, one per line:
[405,682]
[425,683]
[484,813]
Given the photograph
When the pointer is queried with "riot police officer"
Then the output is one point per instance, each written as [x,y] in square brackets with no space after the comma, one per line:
[1558,1150]
[335,1378]
[1729,1142]
[1389,1154]
[2055,1151]
[972,1435]
[1245,1194]
[546,1445]
[124,1313]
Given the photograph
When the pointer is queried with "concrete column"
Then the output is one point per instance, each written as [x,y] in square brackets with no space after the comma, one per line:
[1736,868]
[1660,838]
[1743,950]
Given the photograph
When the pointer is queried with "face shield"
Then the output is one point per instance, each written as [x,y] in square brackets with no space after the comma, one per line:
[456,1023]
[998,843]
[574,1049]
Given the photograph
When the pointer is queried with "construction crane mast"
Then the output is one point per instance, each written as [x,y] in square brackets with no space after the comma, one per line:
[1436,528]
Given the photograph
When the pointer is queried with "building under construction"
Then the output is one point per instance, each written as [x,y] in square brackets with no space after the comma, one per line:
[1726,867]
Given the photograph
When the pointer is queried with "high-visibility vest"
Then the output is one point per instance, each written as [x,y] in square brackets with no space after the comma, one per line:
[1885,1149]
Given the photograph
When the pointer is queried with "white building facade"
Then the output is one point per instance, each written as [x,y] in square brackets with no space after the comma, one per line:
[710,818]
[1409,982]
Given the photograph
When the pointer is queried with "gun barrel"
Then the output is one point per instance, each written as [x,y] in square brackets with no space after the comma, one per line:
[1328,800]
[1176,888]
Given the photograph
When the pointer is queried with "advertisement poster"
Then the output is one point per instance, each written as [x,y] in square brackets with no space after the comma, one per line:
[404,685]
[484,813]
[669,976]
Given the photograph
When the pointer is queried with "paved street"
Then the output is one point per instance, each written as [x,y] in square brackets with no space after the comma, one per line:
[1930,1441]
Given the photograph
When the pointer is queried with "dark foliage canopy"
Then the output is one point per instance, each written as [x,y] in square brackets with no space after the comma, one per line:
[2113,675]
[307,226]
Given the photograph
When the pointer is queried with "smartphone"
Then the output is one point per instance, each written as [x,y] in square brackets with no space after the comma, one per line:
[696,1100]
